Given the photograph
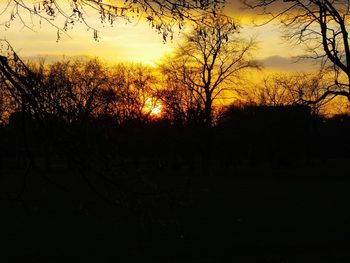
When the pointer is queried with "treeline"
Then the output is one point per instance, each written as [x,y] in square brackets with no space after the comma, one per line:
[244,136]
[77,90]
[74,90]
[104,116]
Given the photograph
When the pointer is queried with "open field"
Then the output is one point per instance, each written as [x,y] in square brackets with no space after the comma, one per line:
[253,215]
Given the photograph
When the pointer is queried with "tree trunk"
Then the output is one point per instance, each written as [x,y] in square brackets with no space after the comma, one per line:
[208,113]
[207,139]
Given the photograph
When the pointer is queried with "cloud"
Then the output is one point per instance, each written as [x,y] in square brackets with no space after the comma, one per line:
[289,63]
[125,42]
[234,6]
[52,58]
[249,16]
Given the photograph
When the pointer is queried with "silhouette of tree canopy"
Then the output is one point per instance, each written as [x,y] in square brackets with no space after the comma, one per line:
[79,90]
[209,62]
[21,82]
[161,14]
[181,105]
[135,87]
[77,87]
[7,104]
[69,90]
[284,90]
[320,26]
[276,133]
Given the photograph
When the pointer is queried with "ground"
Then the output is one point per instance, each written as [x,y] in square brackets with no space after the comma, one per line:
[247,215]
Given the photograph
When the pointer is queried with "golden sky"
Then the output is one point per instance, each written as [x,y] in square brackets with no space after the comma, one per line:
[138,42]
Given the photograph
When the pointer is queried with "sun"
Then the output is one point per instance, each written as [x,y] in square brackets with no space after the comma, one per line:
[153,107]
[157,110]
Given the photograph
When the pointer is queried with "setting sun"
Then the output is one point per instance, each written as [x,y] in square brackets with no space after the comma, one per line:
[153,107]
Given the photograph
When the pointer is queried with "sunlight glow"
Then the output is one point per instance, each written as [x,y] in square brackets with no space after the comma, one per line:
[124,42]
[153,107]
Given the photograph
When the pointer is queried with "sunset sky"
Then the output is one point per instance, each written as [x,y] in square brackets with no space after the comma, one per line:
[138,42]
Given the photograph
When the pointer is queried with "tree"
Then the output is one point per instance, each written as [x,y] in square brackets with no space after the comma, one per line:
[134,86]
[284,90]
[209,62]
[322,27]
[161,14]
[7,104]
[76,87]
[83,90]
[181,105]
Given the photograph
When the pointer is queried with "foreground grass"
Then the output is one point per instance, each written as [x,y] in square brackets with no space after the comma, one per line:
[239,214]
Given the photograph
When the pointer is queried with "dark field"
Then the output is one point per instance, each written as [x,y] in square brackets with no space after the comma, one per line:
[295,214]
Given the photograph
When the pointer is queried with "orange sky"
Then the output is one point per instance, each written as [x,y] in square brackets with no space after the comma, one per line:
[138,42]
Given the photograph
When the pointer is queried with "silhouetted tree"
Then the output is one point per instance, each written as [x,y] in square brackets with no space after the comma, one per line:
[7,104]
[81,90]
[273,133]
[181,105]
[161,15]
[322,27]
[209,62]
[77,87]
[283,90]
[135,86]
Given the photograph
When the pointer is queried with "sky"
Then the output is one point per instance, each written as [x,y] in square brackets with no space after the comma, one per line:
[138,42]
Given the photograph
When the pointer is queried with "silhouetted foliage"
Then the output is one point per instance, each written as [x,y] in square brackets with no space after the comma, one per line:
[161,15]
[320,26]
[207,66]
[135,88]
[7,104]
[283,90]
[274,134]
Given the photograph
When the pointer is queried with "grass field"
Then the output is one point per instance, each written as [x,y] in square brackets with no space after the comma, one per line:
[299,214]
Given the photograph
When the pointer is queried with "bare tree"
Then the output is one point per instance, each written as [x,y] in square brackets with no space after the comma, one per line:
[181,105]
[79,90]
[322,27]
[69,90]
[7,104]
[283,90]
[134,85]
[161,14]
[209,62]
